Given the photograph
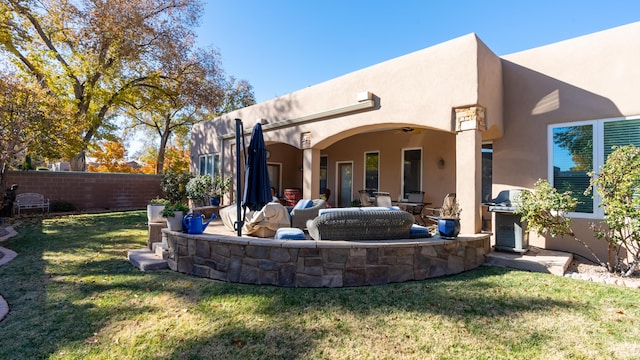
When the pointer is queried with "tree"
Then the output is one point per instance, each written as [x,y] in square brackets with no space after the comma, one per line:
[27,114]
[176,159]
[195,90]
[237,94]
[91,55]
[618,185]
[190,91]
[148,159]
[110,157]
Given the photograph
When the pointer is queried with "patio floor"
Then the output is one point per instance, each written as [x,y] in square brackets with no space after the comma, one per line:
[535,260]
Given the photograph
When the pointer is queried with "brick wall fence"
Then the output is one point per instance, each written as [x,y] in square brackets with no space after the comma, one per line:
[90,191]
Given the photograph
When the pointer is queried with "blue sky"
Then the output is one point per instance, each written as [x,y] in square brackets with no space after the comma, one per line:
[281,46]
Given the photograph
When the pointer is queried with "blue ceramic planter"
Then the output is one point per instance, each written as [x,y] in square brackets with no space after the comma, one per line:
[449,228]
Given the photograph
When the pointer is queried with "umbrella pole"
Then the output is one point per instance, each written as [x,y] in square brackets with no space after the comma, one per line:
[240,220]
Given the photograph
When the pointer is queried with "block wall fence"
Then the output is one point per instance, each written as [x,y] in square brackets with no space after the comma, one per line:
[90,191]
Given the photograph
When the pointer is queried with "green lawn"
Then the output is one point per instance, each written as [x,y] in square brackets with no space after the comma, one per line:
[73,295]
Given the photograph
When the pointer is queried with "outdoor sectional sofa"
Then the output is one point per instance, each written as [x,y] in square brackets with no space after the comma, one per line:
[366,223]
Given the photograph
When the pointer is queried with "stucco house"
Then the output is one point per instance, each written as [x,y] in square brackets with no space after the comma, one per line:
[454,117]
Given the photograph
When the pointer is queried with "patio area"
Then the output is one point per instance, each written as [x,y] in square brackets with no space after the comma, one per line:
[222,255]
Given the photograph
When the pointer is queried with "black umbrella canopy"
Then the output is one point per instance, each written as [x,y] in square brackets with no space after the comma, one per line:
[257,188]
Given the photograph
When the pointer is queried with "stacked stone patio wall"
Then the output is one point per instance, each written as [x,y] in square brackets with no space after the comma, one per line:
[308,263]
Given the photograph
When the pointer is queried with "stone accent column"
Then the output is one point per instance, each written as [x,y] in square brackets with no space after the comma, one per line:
[470,118]
[310,173]
[470,122]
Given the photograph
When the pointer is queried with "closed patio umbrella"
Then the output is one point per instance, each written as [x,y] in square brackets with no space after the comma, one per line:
[257,189]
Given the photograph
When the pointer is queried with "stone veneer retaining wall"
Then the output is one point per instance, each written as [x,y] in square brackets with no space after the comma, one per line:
[310,263]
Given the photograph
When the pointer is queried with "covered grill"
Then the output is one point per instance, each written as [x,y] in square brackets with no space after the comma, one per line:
[509,232]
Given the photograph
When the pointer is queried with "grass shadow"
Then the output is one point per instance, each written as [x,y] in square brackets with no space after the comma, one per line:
[72,291]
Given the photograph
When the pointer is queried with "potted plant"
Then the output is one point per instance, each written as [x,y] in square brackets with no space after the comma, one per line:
[154,210]
[219,187]
[174,214]
[199,189]
[449,220]
[174,185]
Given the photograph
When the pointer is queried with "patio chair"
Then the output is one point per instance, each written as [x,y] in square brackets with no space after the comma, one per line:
[383,199]
[417,198]
[306,210]
[365,199]
[432,214]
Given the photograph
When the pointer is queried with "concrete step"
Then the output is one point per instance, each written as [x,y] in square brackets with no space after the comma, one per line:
[535,260]
[146,260]
[160,252]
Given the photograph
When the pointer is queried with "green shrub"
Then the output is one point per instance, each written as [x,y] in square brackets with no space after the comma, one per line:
[544,209]
[618,185]
[174,185]
[171,208]
[220,185]
[158,201]
[199,189]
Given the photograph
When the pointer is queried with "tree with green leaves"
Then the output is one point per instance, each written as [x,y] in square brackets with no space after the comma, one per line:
[195,90]
[545,211]
[93,55]
[30,121]
[618,184]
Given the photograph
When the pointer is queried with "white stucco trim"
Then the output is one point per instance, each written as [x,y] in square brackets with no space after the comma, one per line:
[597,155]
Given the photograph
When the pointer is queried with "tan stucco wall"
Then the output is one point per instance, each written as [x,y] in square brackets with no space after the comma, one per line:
[284,155]
[418,89]
[590,77]
[435,145]
[490,91]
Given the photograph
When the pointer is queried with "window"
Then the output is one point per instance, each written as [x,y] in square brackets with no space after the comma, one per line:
[209,164]
[487,171]
[323,173]
[372,170]
[581,147]
[411,170]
